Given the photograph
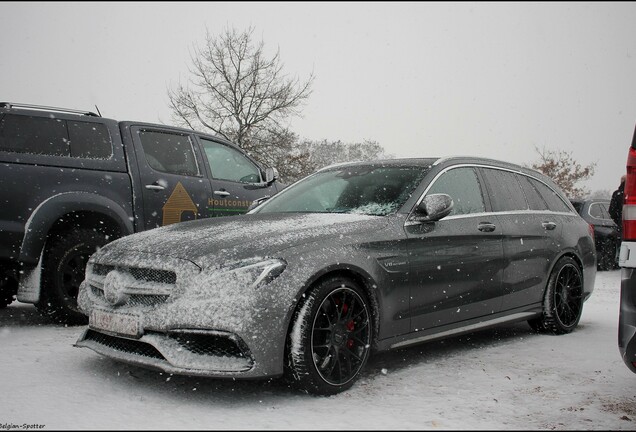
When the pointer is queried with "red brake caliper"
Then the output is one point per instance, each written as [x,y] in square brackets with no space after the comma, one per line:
[350,326]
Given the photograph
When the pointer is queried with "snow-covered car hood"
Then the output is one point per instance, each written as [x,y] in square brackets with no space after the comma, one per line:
[238,237]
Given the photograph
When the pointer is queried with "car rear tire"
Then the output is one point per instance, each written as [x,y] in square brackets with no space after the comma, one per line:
[63,270]
[563,299]
[330,338]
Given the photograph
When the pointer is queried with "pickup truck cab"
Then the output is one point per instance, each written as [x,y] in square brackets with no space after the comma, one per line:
[72,181]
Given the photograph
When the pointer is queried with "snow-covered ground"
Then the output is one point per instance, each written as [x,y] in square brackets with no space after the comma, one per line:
[509,378]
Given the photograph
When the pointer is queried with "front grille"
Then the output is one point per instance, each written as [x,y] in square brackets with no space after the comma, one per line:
[124,345]
[146,299]
[212,344]
[153,275]
[147,287]
[141,274]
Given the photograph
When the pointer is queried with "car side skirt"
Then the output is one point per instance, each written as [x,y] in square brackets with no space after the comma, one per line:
[456,329]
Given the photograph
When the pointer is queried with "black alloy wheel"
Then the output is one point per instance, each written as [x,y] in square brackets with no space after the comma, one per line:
[340,336]
[330,339]
[563,299]
[568,295]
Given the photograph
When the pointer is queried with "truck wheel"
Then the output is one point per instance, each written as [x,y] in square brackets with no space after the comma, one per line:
[63,271]
[8,287]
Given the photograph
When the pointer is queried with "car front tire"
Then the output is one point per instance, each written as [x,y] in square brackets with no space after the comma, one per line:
[330,338]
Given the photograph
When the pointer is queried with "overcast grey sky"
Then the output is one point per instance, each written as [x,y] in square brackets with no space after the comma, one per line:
[421,78]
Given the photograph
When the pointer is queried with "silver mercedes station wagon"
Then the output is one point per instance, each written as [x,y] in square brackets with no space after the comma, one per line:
[353,259]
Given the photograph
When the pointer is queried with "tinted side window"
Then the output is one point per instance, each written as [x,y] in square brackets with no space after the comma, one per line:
[89,140]
[504,189]
[463,187]
[535,202]
[555,203]
[599,210]
[227,163]
[36,135]
[605,209]
[169,152]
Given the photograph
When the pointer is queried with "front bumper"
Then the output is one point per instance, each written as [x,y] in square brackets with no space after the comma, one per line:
[197,352]
[189,323]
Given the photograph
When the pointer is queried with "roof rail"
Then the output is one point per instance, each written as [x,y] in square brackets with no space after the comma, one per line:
[46,108]
[333,165]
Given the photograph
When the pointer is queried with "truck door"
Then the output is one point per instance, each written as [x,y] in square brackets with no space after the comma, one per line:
[235,179]
[173,185]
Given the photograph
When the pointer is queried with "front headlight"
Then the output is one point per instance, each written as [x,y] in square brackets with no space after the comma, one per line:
[254,273]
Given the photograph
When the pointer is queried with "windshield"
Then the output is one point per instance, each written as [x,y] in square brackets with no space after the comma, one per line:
[371,190]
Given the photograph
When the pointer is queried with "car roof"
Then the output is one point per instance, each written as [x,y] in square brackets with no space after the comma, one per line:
[423,162]
[434,161]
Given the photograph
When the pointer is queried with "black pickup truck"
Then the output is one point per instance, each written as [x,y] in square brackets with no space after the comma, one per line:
[71,181]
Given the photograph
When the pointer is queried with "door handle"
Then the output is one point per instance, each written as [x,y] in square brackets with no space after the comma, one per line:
[486,227]
[549,225]
[155,187]
[221,193]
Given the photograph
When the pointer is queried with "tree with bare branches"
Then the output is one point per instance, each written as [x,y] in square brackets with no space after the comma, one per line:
[561,167]
[238,92]
[307,156]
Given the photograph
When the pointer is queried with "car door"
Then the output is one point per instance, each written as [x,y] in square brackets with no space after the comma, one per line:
[173,186]
[235,180]
[455,263]
[530,235]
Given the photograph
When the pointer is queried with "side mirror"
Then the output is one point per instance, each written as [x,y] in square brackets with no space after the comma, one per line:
[271,174]
[433,208]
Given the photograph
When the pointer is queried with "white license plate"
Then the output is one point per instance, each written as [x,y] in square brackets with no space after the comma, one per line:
[124,324]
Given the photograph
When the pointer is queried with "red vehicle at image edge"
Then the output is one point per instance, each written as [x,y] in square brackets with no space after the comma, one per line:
[627,261]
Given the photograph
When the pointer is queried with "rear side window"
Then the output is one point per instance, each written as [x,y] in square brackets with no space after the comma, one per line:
[54,137]
[463,187]
[535,202]
[605,209]
[555,203]
[599,211]
[89,140]
[35,135]
[504,190]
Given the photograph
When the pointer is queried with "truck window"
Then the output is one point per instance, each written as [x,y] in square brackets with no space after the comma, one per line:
[169,152]
[55,137]
[35,135]
[89,140]
[229,164]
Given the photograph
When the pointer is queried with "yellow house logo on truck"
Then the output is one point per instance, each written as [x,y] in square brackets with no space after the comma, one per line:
[178,203]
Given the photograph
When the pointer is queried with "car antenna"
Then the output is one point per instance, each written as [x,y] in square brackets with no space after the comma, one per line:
[100,114]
